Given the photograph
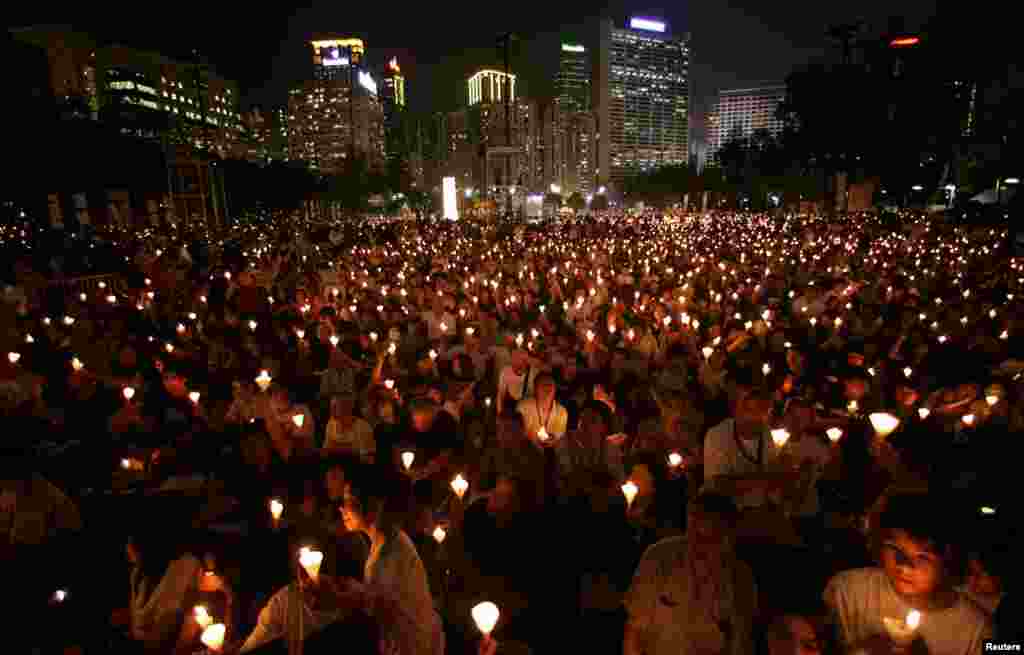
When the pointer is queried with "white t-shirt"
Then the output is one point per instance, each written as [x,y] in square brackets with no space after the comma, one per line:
[395,569]
[280,612]
[722,457]
[860,598]
[660,604]
[554,421]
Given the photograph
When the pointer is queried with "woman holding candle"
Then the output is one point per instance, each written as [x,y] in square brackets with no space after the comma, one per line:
[918,566]
[374,503]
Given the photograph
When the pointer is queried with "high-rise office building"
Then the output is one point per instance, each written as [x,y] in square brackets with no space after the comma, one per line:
[741,112]
[397,134]
[641,98]
[333,57]
[573,91]
[489,86]
[140,90]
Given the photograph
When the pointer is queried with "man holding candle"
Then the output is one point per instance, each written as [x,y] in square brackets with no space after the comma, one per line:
[544,417]
[918,565]
[691,595]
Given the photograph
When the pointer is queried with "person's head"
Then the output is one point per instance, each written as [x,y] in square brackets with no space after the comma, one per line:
[374,500]
[544,388]
[987,569]
[421,414]
[595,421]
[506,499]
[709,523]
[343,406]
[754,409]
[917,545]
[793,634]
[335,475]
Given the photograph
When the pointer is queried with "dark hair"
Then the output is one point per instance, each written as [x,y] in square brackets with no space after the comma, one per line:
[923,516]
[382,492]
[718,504]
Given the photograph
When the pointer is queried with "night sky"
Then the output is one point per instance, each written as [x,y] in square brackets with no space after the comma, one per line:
[735,43]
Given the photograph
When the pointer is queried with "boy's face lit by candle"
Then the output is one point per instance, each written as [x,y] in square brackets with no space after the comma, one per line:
[912,565]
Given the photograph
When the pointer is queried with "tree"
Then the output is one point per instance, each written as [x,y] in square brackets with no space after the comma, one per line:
[576,201]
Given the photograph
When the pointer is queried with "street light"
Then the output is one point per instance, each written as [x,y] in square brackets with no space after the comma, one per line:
[1012,180]
[917,187]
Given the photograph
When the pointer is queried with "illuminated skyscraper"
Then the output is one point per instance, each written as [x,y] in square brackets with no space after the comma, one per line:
[332,57]
[488,86]
[397,137]
[574,78]
[641,98]
[741,112]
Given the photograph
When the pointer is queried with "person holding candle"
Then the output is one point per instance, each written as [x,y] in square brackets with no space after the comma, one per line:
[516,381]
[691,595]
[917,572]
[348,433]
[544,417]
[373,504]
[290,425]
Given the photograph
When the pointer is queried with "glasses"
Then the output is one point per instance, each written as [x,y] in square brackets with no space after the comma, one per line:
[918,562]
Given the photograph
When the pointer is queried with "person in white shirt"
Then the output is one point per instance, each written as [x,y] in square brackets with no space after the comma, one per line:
[516,381]
[544,417]
[740,457]
[393,570]
[347,433]
[916,573]
[691,595]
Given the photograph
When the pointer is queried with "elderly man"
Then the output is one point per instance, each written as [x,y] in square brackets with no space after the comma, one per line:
[691,595]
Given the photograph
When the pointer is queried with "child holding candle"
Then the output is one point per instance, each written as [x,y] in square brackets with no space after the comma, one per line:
[918,566]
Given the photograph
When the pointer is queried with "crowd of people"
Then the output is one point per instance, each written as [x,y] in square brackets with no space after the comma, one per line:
[710,434]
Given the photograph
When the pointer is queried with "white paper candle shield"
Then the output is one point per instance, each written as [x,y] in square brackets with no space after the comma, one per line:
[440,534]
[486,615]
[276,509]
[630,490]
[834,434]
[311,561]
[202,616]
[883,423]
[408,457]
[780,436]
[213,637]
[460,485]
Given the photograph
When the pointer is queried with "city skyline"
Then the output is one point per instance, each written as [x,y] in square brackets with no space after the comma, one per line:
[735,44]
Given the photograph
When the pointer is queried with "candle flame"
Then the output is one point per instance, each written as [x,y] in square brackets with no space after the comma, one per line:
[459,486]
[486,615]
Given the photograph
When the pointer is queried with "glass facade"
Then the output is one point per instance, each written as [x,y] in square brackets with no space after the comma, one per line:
[648,98]
[574,79]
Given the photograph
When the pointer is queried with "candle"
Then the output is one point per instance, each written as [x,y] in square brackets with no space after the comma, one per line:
[334,340]
[991,399]
[708,351]
[82,297]
[780,436]
[298,420]
[112,299]
[60,595]
[903,631]
[311,561]
[444,326]
[13,357]
[923,412]
[542,434]
[194,397]
[126,463]
[485,615]
[213,636]
[169,347]
[459,486]
[766,369]
[263,380]
[968,419]
[852,406]
[675,460]
[202,616]
[487,401]
[630,490]
[301,334]
[439,534]
[276,509]
[392,349]
[834,434]
[883,423]
[373,337]
[253,325]
[128,393]
[408,457]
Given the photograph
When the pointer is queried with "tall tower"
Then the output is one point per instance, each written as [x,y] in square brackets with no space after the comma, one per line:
[574,78]
[642,99]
